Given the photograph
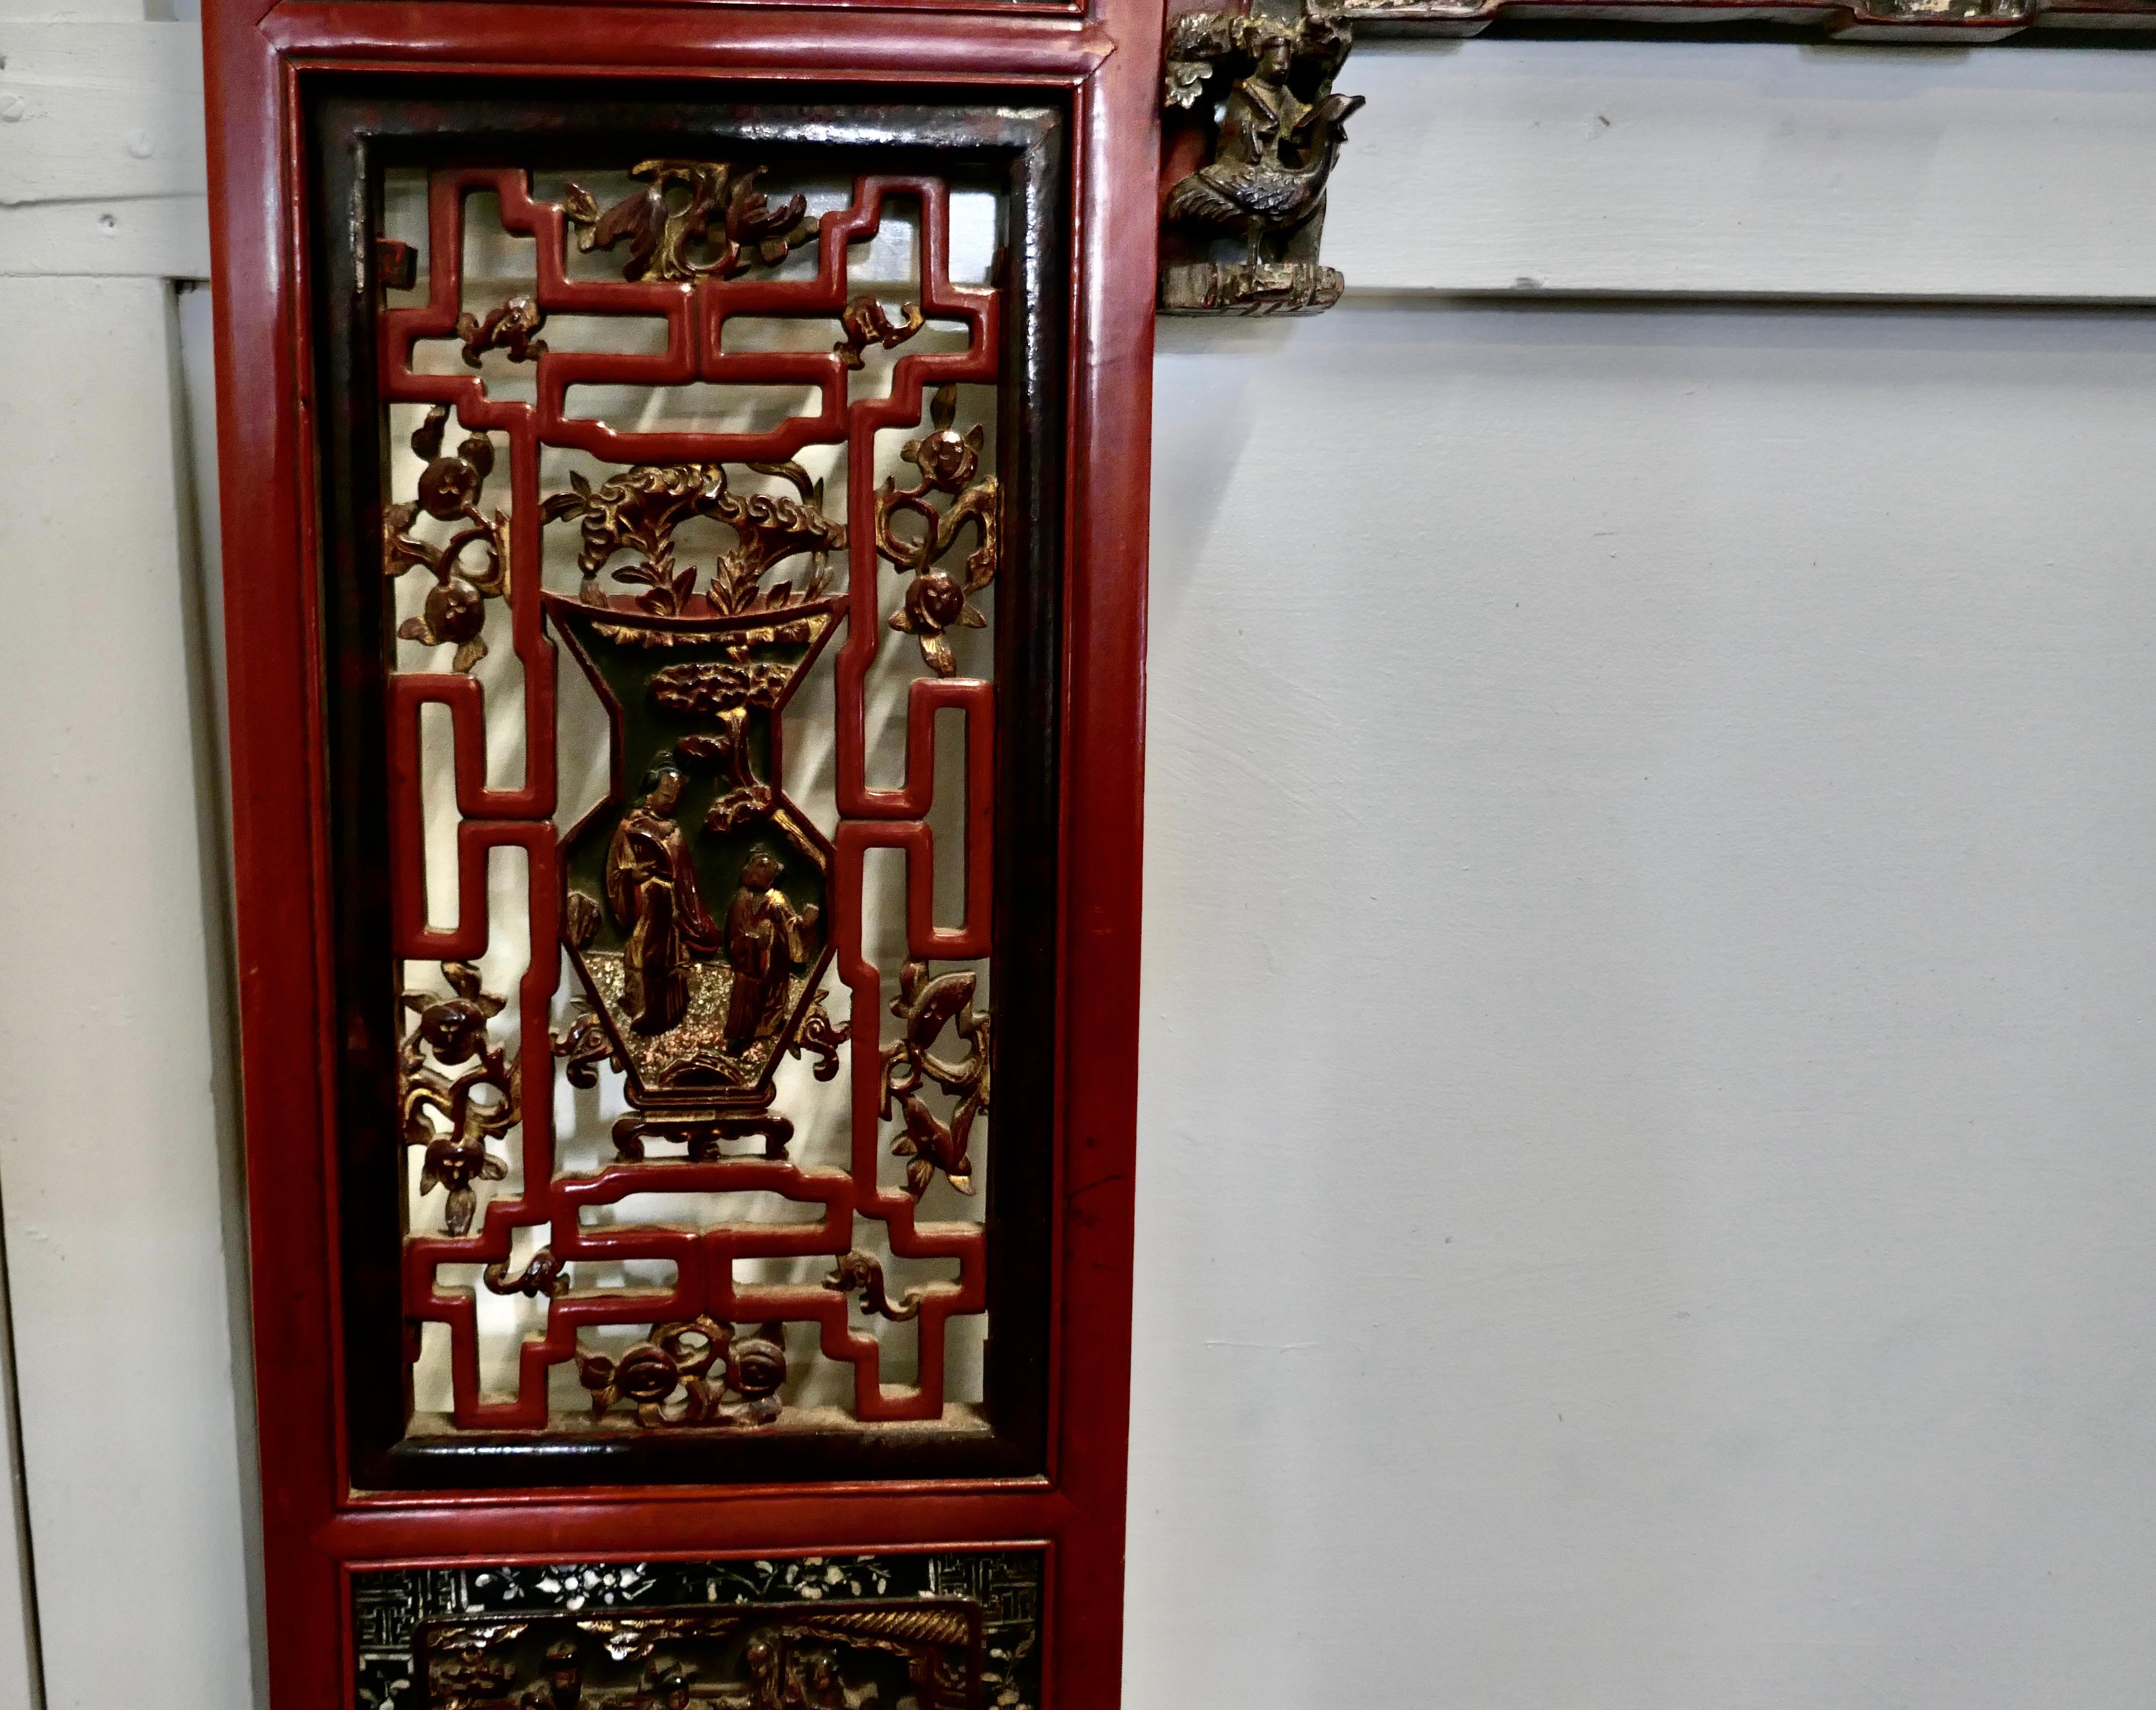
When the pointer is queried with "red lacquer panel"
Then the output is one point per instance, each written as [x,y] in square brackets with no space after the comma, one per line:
[685,491]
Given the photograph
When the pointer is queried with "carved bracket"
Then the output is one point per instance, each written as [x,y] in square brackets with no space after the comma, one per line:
[1252,130]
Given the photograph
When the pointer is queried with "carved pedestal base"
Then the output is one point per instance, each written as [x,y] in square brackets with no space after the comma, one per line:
[702,1130]
[1271,288]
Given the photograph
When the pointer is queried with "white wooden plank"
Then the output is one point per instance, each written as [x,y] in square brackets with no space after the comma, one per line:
[1738,168]
[112,1176]
[75,11]
[92,109]
[151,237]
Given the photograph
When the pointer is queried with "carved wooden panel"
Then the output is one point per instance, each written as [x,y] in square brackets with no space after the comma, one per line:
[684,482]
[695,711]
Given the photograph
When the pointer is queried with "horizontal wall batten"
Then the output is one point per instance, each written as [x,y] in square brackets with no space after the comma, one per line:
[1746,169]
[1642,169]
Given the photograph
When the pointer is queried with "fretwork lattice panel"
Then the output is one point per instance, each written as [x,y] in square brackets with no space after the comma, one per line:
[706,548]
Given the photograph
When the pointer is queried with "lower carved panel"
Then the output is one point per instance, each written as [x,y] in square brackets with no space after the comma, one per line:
[928,1631]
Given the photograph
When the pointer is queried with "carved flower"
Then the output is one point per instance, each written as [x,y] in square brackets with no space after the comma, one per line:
[454,1028]
[456,1163]
[449,490]
[455,612]
[647,1374]
[946,458]
[934,601]
[758,1365]
[448,485]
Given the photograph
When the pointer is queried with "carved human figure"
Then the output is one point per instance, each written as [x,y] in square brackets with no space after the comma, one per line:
[669,1689]
[1261,108]
[563,1688]
[1275,149]
[766,940]
[651,887]
[766,1686]
[816,1686]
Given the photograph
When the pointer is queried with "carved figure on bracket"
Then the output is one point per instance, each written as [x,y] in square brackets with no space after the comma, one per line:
[1262,83]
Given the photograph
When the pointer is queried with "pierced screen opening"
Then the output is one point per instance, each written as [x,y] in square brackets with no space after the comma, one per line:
[696,510]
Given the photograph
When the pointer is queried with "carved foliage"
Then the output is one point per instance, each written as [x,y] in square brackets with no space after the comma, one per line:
[865,324]
[638,512]
[688,208]
[453,1116]
[925,1006]
[863,1273]
[450,487]
[948,462]
[682,1376]
[508,328]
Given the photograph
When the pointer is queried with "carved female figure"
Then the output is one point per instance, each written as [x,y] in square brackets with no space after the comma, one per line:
[765,942]
[1276,149]
[651,887]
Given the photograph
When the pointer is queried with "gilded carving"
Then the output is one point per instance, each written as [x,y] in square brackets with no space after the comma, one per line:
[947,461]
[688,207]
[453,1116]
[807,1655]
[684,1372]
[508,328]
[925,1006]
[1259,86]
[865,323]
[637,512]
[450,487]
[544,1275]
[862,1273]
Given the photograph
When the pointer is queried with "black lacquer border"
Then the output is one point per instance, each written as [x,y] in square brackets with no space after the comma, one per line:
[357,128]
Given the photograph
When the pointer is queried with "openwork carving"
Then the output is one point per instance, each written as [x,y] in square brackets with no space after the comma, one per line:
[925,1007]
[683,1374]
[453,1117]
[947,462]
[808,1656]
[449,492]
[1258,89]
[687,207]
[710,943]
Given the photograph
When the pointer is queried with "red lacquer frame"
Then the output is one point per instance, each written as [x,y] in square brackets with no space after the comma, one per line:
[317,1529]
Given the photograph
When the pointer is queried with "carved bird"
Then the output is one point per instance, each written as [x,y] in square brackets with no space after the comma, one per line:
[1255,192]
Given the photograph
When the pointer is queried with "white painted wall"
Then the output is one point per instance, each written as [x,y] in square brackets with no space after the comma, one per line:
[1644,1193]
[120,1203]
[1648,1200]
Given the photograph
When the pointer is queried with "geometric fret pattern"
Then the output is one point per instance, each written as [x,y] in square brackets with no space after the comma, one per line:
[701,934]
